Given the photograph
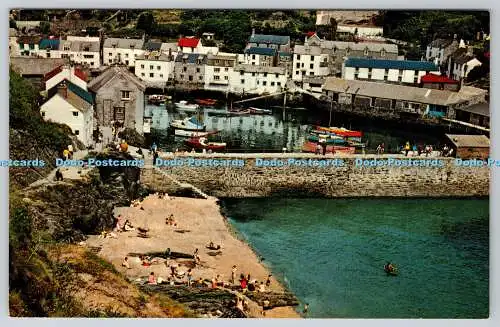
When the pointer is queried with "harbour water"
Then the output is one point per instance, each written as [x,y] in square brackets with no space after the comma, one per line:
[331,254]
[272,133]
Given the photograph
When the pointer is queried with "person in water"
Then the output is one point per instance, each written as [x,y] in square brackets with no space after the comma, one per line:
[389,267]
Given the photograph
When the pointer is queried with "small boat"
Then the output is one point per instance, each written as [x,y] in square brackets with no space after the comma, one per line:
[192,134]
[206,102]
[311,147]
[189,124]
[202,143]
[239,112]
[329,139]
[258,111]
[156,99]
[184,105]
[391,272]
[339,131]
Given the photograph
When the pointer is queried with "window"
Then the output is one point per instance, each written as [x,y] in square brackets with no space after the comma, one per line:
[190,77]
[217,77]
[182,76]
[142,74]
[88,56]
[242,81]
[110,60]
[296,72]
[272,83]
[311,73]
[253,57]
[264,83]
[278,83]
[298,57]
[312,58]
[311,66]
[400,72]
[75,113]
[158,67]
[142,66]
[126,55]
[201,77]
[265,74]
[119,113]
[43,113]
[151,74]
[66,48]
[151,67]
[77,132]
[161,75]
[226,78]
[242,72]
[226,69]
[302,65]
[298,65]
[110,54]
[258,82]
[277,75]
[253,74]
[197,70]
[126,62]
[185,69]
[216,70]
[125,95]
[253,63]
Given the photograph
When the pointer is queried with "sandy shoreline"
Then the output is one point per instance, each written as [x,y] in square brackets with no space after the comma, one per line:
[201,223]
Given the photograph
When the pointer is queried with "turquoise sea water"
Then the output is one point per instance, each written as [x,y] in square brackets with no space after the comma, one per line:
[331,254]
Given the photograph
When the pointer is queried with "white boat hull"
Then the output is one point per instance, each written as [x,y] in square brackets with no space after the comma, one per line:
[184,133]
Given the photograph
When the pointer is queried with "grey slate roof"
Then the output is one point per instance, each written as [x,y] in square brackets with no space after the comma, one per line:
[360,46]
[401,92]
[35,66]
[261,51]
[123,43]
[112,72]
[80,46]
[391,64]
[474,141]
[482,109]
[152,46]
[269,39]
[192,58]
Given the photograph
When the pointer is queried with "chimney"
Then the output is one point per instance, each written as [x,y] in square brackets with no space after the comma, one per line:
[62,90]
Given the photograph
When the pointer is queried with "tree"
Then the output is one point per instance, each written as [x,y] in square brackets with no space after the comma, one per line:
[145,22]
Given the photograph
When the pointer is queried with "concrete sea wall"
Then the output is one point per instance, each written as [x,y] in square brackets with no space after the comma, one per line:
[267,175]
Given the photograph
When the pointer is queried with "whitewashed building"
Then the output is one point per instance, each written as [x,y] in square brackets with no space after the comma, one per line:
[82,50]
[122,51]
[257,79]
[28,45]
[461,62]
[155,68]
[308,61]
[68,73]
[439,50]
[396,71]
[218,71]
[71,106]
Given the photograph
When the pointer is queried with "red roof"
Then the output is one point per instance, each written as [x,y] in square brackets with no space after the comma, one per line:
[81,75]
[309,34]
[433,78]
[188,42]
[52,73]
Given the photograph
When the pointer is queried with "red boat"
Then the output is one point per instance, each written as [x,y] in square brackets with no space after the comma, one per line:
[202,143]
[339,131]
[206,102]
[311,147]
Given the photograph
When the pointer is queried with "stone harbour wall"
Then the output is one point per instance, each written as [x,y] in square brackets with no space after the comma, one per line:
[245,178]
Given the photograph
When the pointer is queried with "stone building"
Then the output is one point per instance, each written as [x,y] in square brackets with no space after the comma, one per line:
[119,97]
[218,71]
[190,70]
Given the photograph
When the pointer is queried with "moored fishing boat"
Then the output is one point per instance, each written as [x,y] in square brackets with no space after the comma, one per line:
[338,131]
[312,147]
[189,124]
[202,143]
[206,102]
[184,105]
[258,111]
[157,99]
[239,112]
[192,134]
[329,139]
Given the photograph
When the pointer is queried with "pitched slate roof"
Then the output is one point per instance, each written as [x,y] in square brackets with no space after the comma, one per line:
[152,46]
[433,78]
[49,44]
[476,141]
[401,92]
[80,46]
[80,92]
[35,66]
[112,72]
[53,73]
[482,109]
[123,43]
[391,64]
[261,51]
[269,39]
[189,42]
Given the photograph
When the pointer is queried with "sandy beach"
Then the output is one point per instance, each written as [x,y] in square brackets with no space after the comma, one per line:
[199,222]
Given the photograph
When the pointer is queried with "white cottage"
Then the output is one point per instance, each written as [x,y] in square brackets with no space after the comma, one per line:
[122,51]
[257,79]
[155,68]
[71,106]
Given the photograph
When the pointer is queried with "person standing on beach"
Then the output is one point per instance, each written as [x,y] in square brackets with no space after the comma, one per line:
[306,309]
[268,281]
[233,274]
[189,276]
[155,156]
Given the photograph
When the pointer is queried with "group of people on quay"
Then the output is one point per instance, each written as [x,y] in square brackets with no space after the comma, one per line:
[419,150]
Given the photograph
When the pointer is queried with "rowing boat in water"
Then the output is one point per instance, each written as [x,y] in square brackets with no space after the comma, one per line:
[184,133]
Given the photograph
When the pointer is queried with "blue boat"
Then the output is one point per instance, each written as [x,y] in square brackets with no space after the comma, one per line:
[188,124]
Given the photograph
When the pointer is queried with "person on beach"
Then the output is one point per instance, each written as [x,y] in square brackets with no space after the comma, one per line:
[407,148]
[125,263]
[248,277]
[128,226]
[251,286]
[262,287]
[268,281]
[306,309]
[66,154]
[214,283]
[59,175]
[155,156]
[233,274]
[243,283]
[189,277]
[152,279]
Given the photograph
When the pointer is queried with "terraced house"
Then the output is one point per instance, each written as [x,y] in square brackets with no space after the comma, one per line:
[155,68]
[388,71]
[190,70]
[82,50]
[257,79]
[122,51]
[218,71]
